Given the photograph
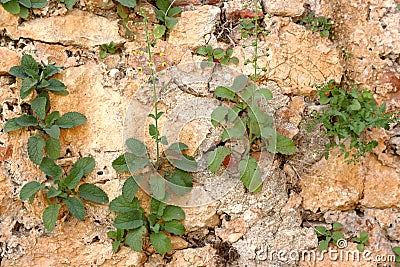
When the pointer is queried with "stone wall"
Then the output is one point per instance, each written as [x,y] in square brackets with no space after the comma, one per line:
[303,190]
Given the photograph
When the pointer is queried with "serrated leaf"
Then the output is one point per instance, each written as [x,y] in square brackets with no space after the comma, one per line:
[135,163]
[53,148]
[163,5]
[136,147]
[55,85]
[129,189]
[70,3]
[128,3]
[173,213]
[224,92]
[216,158]
[50,70]
[29,64]
[50,214]
[76,207]
[157,207]
[119,204]
[131,220]
[27,87]
[355,105]
[180,182]
[157,187]
[174,11]
[53,131]
[239,83]
[26,120]
[81,168]
[39,106]
[52,117]
[50,168]
[161,242]
[18,71]
[12,125]
[36,144]
[30,189]
[174,227]
[160,15]
[134,238]
[250,174]
[93,193]
[53,192]
[159,31]
[170,22]
[71,119]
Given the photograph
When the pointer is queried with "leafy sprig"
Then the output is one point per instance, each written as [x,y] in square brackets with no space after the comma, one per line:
[217,55]
[326,236]
[107,48]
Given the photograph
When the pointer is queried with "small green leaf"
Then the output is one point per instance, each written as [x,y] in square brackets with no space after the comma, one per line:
[250,174]
[27,87]
[337,226]
[157,186]
[18,72]
[234,60]
[396,250]
[360,247]
[121,12]
[321,231]
[129,189]
[55,85]
[202,51]
[12,7]
[173,11]
[93,193]
[216,158]
[119,204]
[50,168]
[218,115]
[115,245]
[159,31]
[39,106]
[53,131]
[39,3]
[173,213]
[53,148]
[224,92]
[50,214]
[53,192]
[27,120]
[323,245]
[50,70]
[170,22]
[157,207]
[76,207]
[229,52]
[128,3]
[265,93]
[12,125]
[355,105]
[136,147]
[119,164]
[36,144]
[180,182]
[174,227]
[52,117]
[283,145]
[131,220]
[103,53]
[163,4]
[364,237]
[161,242]
[239,83]
[71,119]
[134,238]
[70,3]
[81,168]
[30,189]
[218,53]
[29,64]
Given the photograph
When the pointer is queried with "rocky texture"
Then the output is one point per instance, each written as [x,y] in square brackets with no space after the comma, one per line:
[77,28]
[8,59]
[195,28]
[194,257]
[290,8]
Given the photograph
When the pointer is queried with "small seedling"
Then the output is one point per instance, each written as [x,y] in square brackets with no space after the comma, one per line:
[21,7]
[107,48]
[348,115]
[362,241]
[246,120]
[64,190]
[217,55]
[321,24]
[166,13]
[396,251]
[326,236]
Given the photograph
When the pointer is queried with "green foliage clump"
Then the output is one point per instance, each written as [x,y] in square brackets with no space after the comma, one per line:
[44,146]
[217,55]
[107,48]
[21,7]
[326,236]
[362,240]
[347,116]
[396,250]
[318,24]
[166,13]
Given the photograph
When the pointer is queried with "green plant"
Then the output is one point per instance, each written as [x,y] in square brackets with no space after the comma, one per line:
[128,3]
[65,190]
[69,3]
[166,13]
[396,251]
[217,55]
[362,241]
[246,121]
[321,24]
[169,175]
[326,236]
[44,145]
[347,116]
[107,48]
[21,7]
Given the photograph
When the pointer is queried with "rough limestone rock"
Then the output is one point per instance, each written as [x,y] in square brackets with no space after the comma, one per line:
[78,28]
[291,8]
[340,184]
[194,28]
[194,257]
[8,59]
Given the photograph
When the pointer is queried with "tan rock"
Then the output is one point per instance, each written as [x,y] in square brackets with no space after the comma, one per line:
[233,230]
[195,27]
[194,257]
[76,28]
[381,185]
[332,184]
[8,21]
[8,59]
[199,217]
[291,8]
[178,242]
[289,117]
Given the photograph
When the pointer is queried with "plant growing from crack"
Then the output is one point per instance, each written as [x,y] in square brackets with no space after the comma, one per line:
[347,116]
[44,145]
[361,241]
[107,49]
[318,24]
[247,121]
[217,55]
[169,175]
[326,236]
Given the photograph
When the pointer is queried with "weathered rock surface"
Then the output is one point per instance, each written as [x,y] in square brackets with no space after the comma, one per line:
[77,28]
[8,59]
[290,8]
[204,256]
[195,28]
